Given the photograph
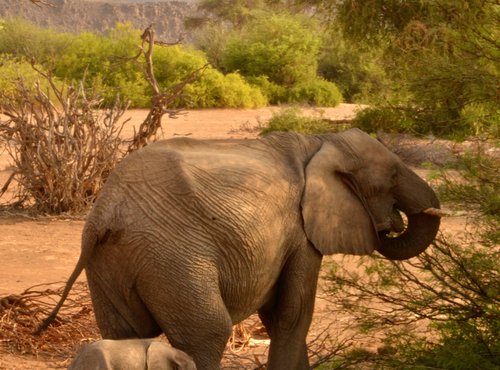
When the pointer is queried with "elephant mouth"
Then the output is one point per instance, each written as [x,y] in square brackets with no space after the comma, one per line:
[394,224]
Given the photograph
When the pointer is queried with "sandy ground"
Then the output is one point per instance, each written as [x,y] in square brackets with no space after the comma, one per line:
[34,251]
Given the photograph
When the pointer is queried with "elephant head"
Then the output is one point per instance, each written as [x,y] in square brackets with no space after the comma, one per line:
[160,356]
[354,193]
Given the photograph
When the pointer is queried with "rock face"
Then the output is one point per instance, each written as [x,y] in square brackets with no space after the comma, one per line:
[80,15]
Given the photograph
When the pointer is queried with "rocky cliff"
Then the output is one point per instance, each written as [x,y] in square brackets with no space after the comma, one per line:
[76,16]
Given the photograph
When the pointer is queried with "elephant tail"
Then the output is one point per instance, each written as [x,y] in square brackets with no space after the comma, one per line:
[90,238]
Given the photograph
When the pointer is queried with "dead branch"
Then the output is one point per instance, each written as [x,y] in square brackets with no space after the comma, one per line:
[39,3]
[161,101]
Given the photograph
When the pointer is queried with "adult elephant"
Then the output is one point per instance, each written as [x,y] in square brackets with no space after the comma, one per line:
[190,237]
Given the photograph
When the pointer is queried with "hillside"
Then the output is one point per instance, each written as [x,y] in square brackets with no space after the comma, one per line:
[79,15]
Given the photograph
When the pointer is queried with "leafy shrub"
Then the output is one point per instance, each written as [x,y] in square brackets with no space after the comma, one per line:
[12,71]
[442,56]
[22,39]
[105,63]
[471,120]
[273,92]
[108,66]
[375,119]
[316,92]
[290,119]
[214,89]
[280,46]
[358,71]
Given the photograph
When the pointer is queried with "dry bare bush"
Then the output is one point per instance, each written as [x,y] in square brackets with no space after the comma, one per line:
[63,145]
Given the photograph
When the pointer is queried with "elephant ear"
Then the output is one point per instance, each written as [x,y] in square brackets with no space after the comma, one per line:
[336,215]
[160,356]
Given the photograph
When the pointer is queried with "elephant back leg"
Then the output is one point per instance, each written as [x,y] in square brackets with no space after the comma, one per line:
[189,309]
[119,311]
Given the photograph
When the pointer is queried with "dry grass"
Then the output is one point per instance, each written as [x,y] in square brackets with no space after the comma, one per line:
[21,314]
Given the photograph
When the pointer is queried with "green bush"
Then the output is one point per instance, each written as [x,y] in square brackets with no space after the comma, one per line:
[282,47]
[22,39]
[215,90]
[358,71]
[290,119]
[441,56]
[107,65]
[316,92]
[375,119]
[472,120]
[105,62]
[274,93]
[12,72]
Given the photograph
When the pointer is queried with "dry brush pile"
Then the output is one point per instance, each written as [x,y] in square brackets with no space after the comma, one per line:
[21,314]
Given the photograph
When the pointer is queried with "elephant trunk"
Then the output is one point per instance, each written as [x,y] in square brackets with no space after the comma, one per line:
[419,203]
[419,234]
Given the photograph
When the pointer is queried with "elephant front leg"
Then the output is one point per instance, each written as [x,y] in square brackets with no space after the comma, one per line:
[288,315]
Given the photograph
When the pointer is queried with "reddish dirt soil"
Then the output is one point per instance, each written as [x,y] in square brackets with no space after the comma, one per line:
[45,250]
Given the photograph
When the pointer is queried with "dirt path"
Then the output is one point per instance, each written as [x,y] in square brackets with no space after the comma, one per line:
[34,251]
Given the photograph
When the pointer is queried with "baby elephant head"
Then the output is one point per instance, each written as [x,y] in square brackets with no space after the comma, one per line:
[140,354]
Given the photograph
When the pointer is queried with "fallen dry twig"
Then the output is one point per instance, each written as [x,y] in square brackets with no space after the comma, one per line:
[20,315]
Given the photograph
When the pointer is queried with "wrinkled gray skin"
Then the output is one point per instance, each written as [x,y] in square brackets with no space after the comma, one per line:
[190,237]
[131,354]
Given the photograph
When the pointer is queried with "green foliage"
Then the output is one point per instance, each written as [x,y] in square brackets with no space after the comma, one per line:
[279,46]
[22,39]
[442,57]
[478,188]
[275,94]
[105,62]
[453,289]
[12,71]
[316,92]
[217,90]
[358,71]
[108,66]
[290,119]
[212,90]
[471,120]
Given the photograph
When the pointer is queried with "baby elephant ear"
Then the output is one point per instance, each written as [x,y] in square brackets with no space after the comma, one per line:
[335,219]
[162,357]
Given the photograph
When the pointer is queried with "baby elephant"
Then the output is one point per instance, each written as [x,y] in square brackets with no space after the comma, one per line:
[131,354]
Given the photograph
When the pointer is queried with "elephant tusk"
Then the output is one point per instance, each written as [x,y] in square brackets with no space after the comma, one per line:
[435,212]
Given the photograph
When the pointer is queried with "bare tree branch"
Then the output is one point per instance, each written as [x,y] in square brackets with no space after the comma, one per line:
[161,101]
[40,3]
